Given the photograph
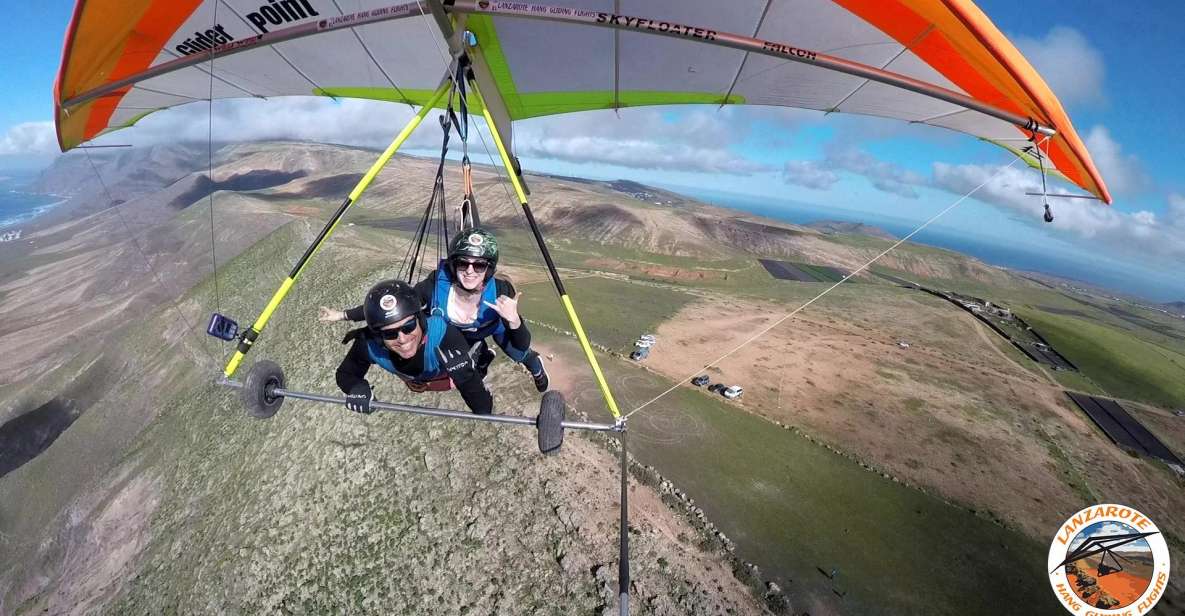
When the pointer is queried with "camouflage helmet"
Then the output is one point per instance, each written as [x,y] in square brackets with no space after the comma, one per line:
[477,243]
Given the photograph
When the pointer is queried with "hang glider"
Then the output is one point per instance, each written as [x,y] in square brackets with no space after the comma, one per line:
[1101,544]
[936,62]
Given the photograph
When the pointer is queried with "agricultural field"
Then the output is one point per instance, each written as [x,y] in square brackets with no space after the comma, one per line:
[801,272]
[1124,365]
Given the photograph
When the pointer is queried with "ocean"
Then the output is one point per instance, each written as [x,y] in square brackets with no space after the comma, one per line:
[17,207]
[1132,279]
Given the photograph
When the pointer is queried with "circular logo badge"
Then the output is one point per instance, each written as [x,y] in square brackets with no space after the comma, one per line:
[387,302]
[476,239]
[1108,559]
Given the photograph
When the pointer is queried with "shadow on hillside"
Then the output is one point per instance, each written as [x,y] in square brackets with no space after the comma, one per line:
[33,430]
[252,180]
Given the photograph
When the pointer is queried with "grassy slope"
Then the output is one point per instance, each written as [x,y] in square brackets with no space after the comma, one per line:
[806,507]
[1129,357]
[793,506]
[614,313]
[322,511]
[1122,364]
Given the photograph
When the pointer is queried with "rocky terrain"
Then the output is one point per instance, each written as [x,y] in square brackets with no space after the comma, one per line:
[134,485]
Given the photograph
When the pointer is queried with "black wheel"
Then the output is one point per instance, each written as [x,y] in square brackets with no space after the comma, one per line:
[550,422]
[258,389]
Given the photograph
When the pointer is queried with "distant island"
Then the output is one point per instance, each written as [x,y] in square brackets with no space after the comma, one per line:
[830,227]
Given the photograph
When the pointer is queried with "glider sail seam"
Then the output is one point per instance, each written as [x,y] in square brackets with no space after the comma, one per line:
[749,44]
[350,20]
[801,55]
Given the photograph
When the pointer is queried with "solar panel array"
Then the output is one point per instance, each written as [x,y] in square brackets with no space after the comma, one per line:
[1122,428]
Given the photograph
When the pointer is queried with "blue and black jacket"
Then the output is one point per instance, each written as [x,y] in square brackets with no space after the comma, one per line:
[434,292]
[448,357]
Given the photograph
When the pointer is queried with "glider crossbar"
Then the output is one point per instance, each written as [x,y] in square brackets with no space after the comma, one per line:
[1060,196]
[256,328]
[431,411]
[750,44]
[513,173]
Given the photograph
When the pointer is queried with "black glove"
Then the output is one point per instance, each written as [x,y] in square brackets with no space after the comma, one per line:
[358,400]
[458,364]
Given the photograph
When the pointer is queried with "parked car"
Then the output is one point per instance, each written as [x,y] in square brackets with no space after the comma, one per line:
[733,392]
[640,354]
[644,344]
[649,337]
[716,387]
[700,380]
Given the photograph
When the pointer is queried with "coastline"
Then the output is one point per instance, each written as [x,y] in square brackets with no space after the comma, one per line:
[12,222]
[1117,276]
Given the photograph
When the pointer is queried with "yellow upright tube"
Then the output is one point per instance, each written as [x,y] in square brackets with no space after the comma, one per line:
[256,328]
[606,393]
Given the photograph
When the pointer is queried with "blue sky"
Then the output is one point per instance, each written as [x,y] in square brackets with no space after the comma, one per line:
[1115,68]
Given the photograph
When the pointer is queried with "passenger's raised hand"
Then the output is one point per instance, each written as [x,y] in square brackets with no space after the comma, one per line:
[329,315]
[507,308]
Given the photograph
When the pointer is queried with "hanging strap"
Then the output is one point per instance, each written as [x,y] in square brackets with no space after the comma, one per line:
[468,214]
[1044,190]
[414,260]
[468,209]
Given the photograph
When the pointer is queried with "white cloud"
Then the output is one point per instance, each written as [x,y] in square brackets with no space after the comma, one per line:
[696,141]
[1071,66]
[1123,173]
[810,174]
[641,138]
[884,176]
[640,154]
[348,121]
[1176,211]
[29,138]
[1143,231]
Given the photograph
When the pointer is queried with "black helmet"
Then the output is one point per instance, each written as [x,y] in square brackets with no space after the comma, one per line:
[477,243]
[391,301]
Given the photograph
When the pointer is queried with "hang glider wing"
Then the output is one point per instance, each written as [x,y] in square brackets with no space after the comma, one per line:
[936,62]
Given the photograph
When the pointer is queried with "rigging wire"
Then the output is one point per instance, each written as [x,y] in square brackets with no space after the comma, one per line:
[213,184]
[414,261]
[1048,216]
[485,146]
[623,531]
[148,262]
[827,290]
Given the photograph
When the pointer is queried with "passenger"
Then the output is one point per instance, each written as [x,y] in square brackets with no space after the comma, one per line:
[399,339]
[460,290]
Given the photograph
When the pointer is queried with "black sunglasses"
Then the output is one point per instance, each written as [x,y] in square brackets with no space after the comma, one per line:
[479,267]
[406,328]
